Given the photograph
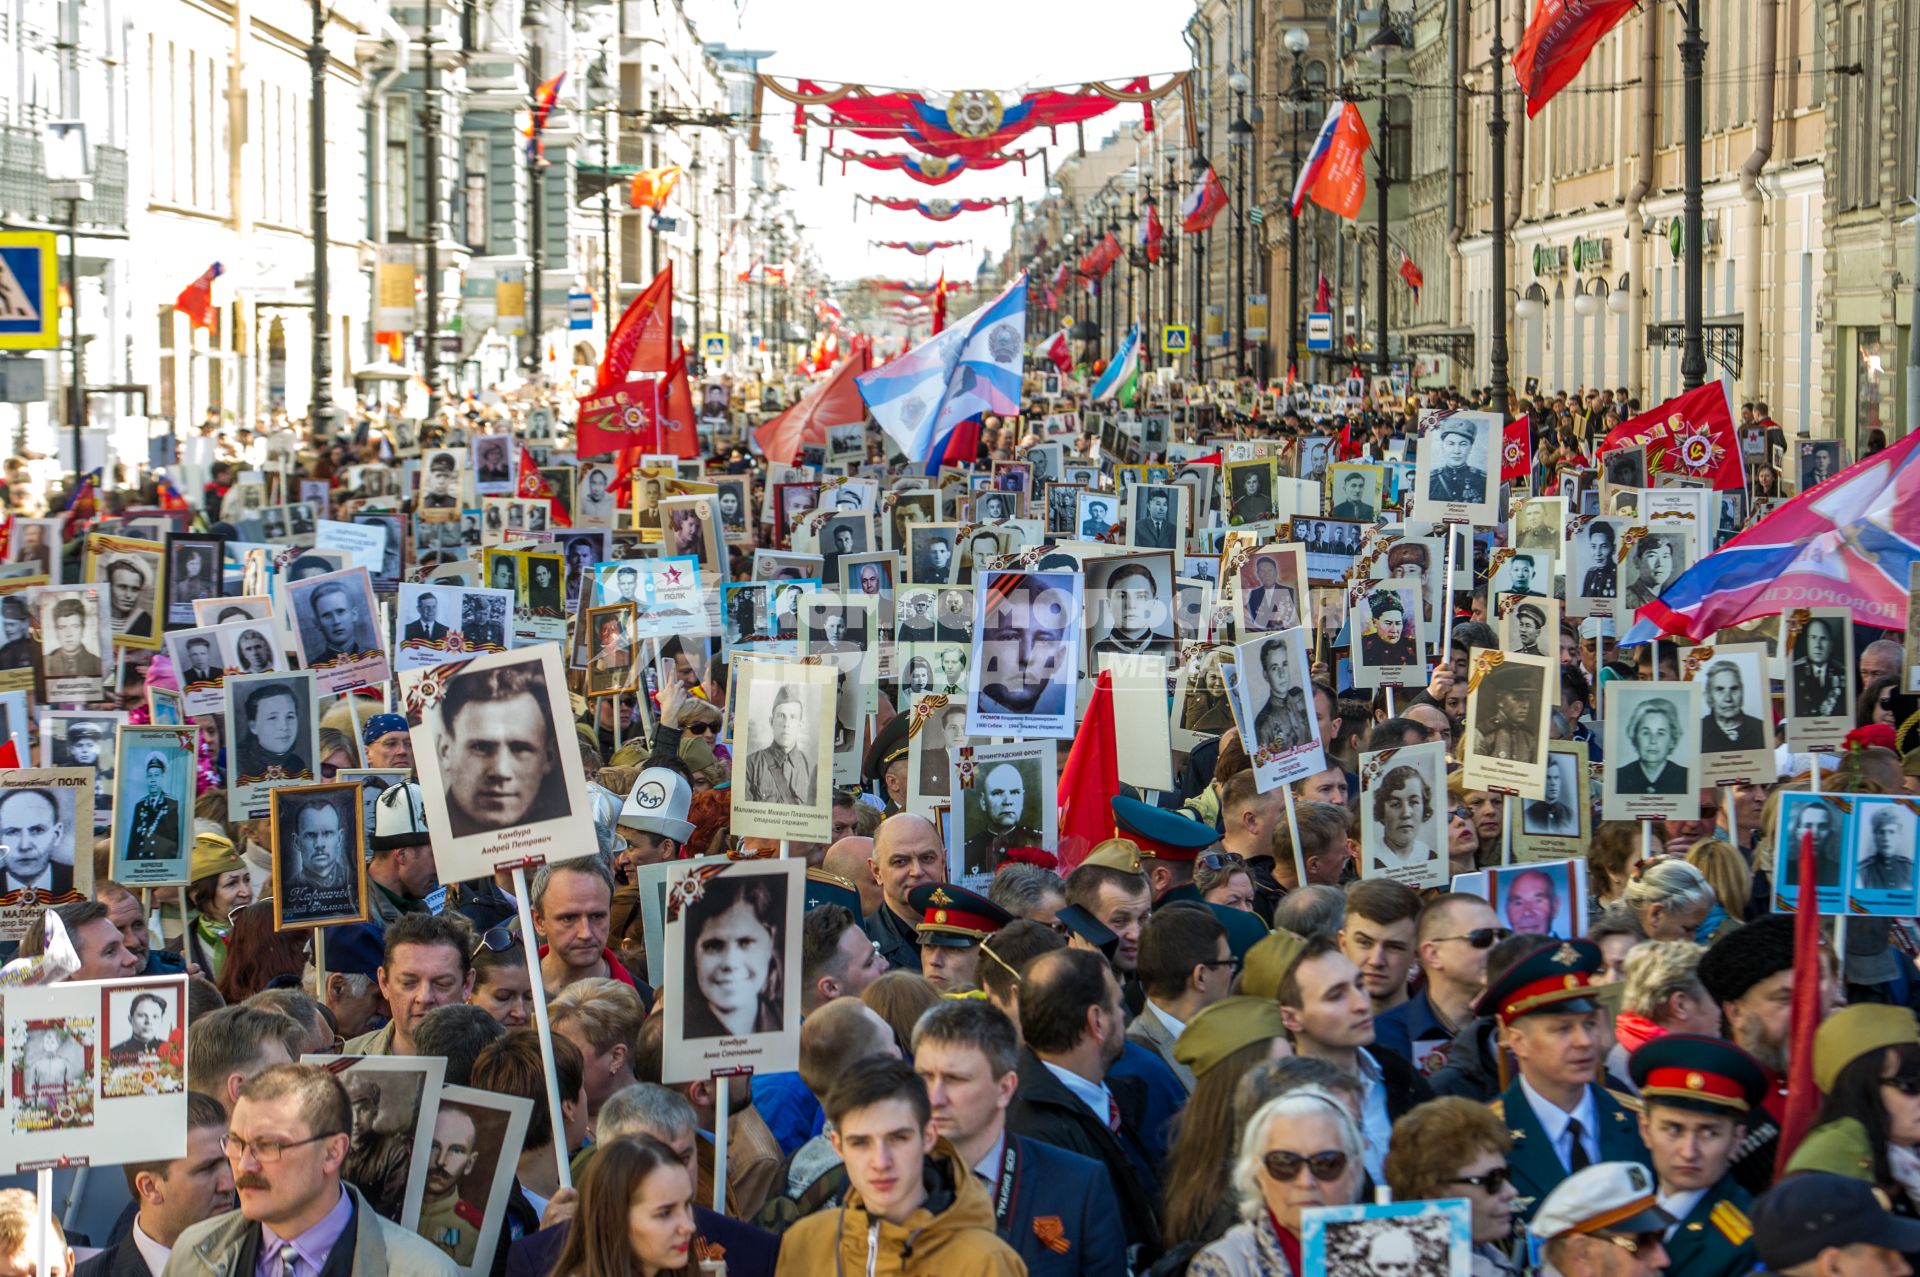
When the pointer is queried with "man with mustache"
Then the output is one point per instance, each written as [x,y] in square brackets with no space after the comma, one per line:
[447,1219]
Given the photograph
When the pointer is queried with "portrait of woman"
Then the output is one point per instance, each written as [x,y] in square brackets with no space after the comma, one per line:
[735,943]
[1653,733]
[919,675]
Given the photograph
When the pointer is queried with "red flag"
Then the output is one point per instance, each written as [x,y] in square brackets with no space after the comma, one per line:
[1322,293]
[834,402]
[1690,434]
[1557,41]
[1057,350]
[940,303]
[533,486]
[196,299]
[1151,232]
[1089,779]
[1202,204]
[1516,450]
[963,445]
[619,412]
[1412,274]
[1803,1097]
[1341,186]
[679,418]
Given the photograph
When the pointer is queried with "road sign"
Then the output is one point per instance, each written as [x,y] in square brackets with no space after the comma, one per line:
[1320,330]
[1256,317]
[1176,339]
[29,291]
[579,311]
[713,345]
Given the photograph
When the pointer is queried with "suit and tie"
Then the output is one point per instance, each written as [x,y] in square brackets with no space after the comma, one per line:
[1060,1213]
[430,631]
[1538,1165]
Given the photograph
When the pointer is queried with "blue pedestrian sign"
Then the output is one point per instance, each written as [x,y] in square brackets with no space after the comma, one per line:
[1320,330]
[29,291]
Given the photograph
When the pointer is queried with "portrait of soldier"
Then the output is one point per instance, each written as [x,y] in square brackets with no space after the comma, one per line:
[498,756]
[153,829]
[449,1217]
[781,771]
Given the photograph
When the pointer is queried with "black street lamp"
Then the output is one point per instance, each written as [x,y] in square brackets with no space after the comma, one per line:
[695,167]
[1239,134]
[1693,351]
[530,361]
[1382,47]
[1497,131]
[430,124]
[1296,41]
[321,412]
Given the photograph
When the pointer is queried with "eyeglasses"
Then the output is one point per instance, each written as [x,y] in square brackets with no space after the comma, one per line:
[1491,1183]
[1215,861]
[1284,1167]
[267,1152]
[1907,1084]
[1479,938]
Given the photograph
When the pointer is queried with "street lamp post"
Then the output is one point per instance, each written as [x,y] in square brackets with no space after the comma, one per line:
[1296,41]
[1239,134]
[1693,351]
[321,411]
[1497,131]
[430,123]
[695,167]
[597,79]
[531,361]
[1199,271]
[1382,47]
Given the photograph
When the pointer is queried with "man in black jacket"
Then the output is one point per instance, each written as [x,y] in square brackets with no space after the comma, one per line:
[907,853]
[1075,1030]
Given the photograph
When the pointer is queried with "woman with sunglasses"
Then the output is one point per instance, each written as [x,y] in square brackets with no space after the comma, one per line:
[1866,1062]
[1301,1150]
[1463,841]
[501,986]
[1452,1147]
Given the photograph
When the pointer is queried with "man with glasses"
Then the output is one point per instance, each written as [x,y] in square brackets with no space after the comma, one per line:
[1696,1093]
[1604,1221]
[1452,938]
[1561,1122]
[287,1143]
[1185,967]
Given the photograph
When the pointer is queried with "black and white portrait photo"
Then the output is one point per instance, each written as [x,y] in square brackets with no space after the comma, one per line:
[613,665]
[193,572]
[1536,524]
[1818,461]
[1507,709]
[1250,487]
[1276,710]
[1353,491]
[319,855]
[1652,749]
[493,458]
[140,1023]
[1453,457]
[1003,799]
[46,815]
[1401,1239]
[783,742]
[336,630]
[153,808]
[1097,514]
[132,572]
[1649,564]
[1736,723]
[1522,572]
[73,643]
[1804,817]
[733,944]
[1593,574]
[395,1102]
[908,510]
[1157,516]
[1562,809]
[931,554]
[273,736]
[85,739]
[596,503]
[1403,816]
[1625,468]
[1820,686]
[1026,653]
[1528,624]
[1062,509]
[1130,605]
[36,542]
[992,505]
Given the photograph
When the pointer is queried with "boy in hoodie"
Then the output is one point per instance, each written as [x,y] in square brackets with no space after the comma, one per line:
[914,1207]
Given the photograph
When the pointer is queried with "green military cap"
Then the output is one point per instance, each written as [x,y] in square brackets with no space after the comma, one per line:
[1116,853]
[1224,1028]
[1853,1031]
[1268,963]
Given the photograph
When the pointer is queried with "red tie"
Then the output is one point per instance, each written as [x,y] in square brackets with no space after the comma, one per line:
[1113,1114]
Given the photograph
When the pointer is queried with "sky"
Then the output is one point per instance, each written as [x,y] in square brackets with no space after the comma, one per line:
[1004,45]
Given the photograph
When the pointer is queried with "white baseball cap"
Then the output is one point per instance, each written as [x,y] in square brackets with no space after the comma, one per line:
[399,818]
[658,804]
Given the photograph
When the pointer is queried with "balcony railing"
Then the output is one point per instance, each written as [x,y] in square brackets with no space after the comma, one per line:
[23,183]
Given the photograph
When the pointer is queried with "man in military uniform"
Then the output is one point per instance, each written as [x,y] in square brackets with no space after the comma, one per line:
[1456,478]
[1819,684]
[155,826]
[1604,1221]
[1096,523]
[71,658]
[447,1219]
[1887,866]
[1003,801]
[781,772]
[377,1160]
[953,922]
[1696,1093]
[1560,1121]
[1353,498]
[1280,721]
[1252,502]
[1602,579]
[442,488]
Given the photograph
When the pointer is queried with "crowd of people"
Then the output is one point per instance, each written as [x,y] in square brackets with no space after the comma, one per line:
[1166,1053]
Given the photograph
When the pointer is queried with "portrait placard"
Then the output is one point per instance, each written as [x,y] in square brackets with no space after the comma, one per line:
[693,527]
[1026,654]
[1275,708]
[1650,559]
[1129,606]
[1457,478]
[1158,518]
[133,574]
[336,630]
[153,810]
[1431,1238]
[1267,586]
[37,542]
[194,571]
[1736,724]
[1820,686]
[1537,523]
[441,623]
[1558,824]
[1548,897]
[46,823]
[1652,749]
[273,738]
[936,730]
[1827,819]
[843,631]
[733,948]
[1507,710]
[665,594]
[499,765]
[479,1134]
[1002,797]
[1513,571]
[67,1103]
[1354,490]
[319,855]
[73,642]
[612,664]
[84,738]
[394,1100]
[19,650]
[1529,625]
[1202,698]
[245,607]
[783,743]
[1403,815]
[1384,619]
[1249,487]
[1593,574]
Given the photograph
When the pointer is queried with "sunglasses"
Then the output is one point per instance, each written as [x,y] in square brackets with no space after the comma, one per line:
[1218,860]
[700,729]
[1462,813]
[1284,1167]
[1907,1084]
[1491,1183]
[495,940]
[1480,938]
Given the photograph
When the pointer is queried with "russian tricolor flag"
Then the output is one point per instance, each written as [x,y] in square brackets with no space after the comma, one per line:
[1334,175]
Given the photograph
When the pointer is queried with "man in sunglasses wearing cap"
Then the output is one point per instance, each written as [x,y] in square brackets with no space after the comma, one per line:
[1604,1221]
[1816,1224]
[1560,1121]
[1696,1093]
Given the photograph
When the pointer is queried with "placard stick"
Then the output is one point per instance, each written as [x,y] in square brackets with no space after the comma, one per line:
[320,962]
[1506,829]
[43,1219]
[1391,711]
[1646,840]
[721,1085]
[1733,820]
[540,1021]
[1446,600]
[353,708]
[1293,831]
[783,849]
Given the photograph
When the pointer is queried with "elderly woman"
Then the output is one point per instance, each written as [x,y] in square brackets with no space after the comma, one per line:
[1662,994]
[1669,898]
[1223,878]
[1452,1147]
[1653,731]
[1866,1061]
[1300,1151]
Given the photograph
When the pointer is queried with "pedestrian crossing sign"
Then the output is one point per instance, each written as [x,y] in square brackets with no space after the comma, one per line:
[713,345]
[1176,339]
[29,291]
